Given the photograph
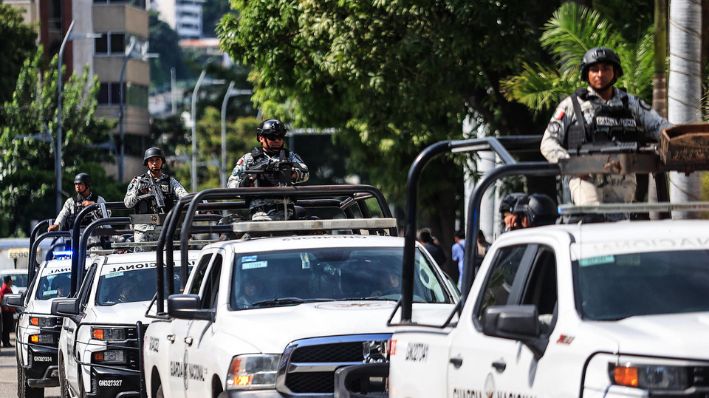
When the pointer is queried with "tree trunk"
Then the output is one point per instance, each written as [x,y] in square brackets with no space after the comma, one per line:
[685,85]
[659,87]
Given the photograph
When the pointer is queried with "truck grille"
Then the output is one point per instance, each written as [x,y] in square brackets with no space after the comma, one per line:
[308,366]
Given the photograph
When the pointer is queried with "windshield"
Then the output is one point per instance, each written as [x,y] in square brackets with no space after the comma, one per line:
[54,285]
[130,286]
[328,274]
[620,286]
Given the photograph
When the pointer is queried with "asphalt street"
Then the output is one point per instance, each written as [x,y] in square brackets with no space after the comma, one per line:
[8,374]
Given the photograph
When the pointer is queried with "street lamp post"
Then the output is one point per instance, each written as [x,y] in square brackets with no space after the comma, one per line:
[230,92]
[58,144]
[193,115]
[121,109]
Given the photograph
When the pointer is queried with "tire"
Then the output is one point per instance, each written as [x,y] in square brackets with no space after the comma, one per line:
[63,385]
[24,390]
[159,393]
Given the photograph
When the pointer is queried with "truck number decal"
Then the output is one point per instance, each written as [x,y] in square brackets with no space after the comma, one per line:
[154,344]
[416,352]
[110,383]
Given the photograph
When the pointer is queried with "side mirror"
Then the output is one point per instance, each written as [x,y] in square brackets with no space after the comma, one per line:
[515,322]
[187,306]
[65,307]
[14,300]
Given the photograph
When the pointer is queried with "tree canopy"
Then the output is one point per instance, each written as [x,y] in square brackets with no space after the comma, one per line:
[18,43]
[391,76]
[27,133]
[569,33]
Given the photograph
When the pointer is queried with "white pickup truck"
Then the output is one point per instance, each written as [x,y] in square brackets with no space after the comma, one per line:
[275,317]
[99,353]
[601,310]
[37,330]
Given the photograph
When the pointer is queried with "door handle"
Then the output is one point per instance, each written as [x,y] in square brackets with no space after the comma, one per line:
[457,362]
[171,338]
[188,341]
[499,365]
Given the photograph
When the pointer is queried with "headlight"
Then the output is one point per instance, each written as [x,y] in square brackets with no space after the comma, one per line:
[42,338]
[109,357]
[253,371]
[43,321]
[655,377]
[108,334]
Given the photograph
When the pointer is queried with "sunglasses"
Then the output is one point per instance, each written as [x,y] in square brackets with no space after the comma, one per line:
[274,137]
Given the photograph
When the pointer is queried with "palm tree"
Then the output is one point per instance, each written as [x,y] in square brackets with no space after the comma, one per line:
[572,30]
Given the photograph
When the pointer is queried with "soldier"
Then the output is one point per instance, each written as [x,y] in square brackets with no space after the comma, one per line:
[271,164]
[608,115]
[84,197]
[144,200]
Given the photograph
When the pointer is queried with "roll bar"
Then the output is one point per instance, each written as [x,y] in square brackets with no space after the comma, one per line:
[499,145]
[190,203]
[32,263]
[76,236]
[77,274]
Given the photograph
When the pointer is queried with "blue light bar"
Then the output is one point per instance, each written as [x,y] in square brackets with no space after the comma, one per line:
[61,254]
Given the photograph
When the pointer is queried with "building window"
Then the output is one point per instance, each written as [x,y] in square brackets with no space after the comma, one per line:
[110,94]
[101,44]
[118,43]
[110,43]
[133,94]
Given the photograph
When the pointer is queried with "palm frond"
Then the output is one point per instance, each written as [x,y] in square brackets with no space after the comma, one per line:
[539,87]
[637,61]
[574,29]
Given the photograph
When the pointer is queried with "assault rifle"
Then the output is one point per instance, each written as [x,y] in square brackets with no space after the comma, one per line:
[155,192]
[274,172]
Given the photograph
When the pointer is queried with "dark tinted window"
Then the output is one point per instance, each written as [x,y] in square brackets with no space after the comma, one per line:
[503,271]
[620,286]
[130,286]
[328,274]
[53,286]
[104,93]
[118,43]
[101,44]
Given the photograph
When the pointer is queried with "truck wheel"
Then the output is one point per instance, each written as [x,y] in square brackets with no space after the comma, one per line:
[159,393]
[63,385]
[25,391]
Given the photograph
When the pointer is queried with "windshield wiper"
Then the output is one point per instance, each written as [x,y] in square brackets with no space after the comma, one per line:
[286,301]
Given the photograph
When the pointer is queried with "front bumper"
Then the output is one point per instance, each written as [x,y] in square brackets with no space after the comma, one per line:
[43,370]
[114,383]
[251,394]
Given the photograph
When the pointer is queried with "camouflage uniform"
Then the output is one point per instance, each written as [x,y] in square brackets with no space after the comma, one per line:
[595,189]
[145,203]
[256,158]
[72,207]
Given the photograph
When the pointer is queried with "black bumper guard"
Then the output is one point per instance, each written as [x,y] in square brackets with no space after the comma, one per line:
[120,381]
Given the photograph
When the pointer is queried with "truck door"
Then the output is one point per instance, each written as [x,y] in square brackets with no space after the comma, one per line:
[478,364]
[199,336]
[177,334]
[504,366]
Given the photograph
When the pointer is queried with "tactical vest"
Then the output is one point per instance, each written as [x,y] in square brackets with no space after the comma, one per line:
[260,160]
[611,123]
[149,205]
[76,209]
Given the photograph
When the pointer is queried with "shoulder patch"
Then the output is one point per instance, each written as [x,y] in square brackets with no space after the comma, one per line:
[240,162]
[560,114]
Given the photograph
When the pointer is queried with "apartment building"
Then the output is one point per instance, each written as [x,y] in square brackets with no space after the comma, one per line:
[119,22]
[183,16]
